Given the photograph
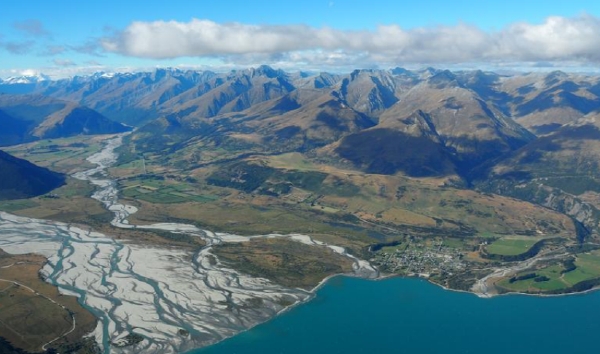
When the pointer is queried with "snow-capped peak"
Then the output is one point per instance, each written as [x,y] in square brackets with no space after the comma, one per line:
[26,79]
[103,74]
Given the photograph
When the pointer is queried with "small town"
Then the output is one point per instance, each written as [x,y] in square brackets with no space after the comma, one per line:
[417,259]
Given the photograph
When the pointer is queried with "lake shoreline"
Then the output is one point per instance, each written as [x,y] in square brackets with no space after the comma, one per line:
[384,277]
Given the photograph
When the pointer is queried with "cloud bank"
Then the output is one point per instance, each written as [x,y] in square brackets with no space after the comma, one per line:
[557,39]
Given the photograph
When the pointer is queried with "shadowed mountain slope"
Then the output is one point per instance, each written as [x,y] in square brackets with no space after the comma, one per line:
[22,179]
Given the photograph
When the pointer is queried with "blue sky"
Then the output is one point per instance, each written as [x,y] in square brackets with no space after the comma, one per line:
[65,37]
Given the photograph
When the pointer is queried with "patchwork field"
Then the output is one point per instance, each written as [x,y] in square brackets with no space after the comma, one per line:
[579,273]
[159,190]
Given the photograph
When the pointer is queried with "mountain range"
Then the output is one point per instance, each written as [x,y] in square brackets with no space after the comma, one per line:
[539,102]
[531,136]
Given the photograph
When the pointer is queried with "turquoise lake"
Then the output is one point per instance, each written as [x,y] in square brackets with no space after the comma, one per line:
[351,315]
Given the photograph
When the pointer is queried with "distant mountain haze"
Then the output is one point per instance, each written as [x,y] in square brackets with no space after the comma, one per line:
[25,118]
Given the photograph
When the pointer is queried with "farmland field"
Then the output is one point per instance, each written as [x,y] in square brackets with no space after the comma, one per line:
[511,246]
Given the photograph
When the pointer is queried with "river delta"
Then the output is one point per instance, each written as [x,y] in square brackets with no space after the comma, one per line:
[175,299]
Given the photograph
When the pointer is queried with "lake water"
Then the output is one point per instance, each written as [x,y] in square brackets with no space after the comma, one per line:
[351,315]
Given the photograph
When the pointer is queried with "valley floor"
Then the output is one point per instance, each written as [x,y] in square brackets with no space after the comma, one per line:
[159,282]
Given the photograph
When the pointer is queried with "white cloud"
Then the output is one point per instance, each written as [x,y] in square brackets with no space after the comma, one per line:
[557,39]
[204,38]
[28,72]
